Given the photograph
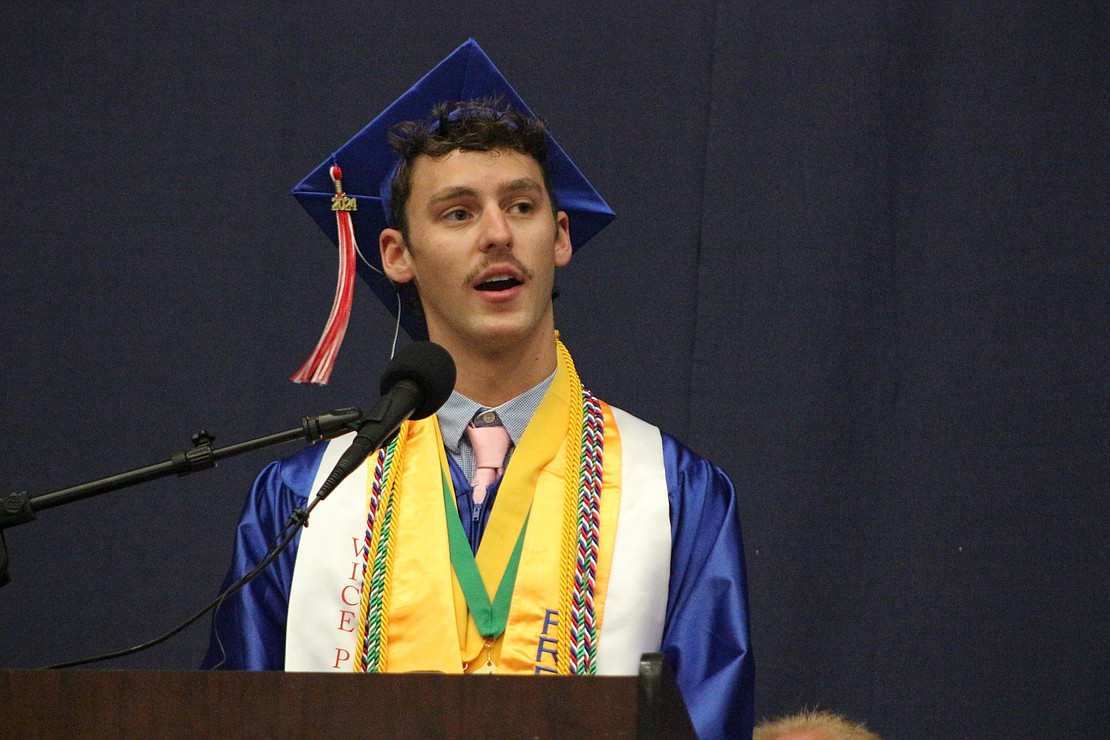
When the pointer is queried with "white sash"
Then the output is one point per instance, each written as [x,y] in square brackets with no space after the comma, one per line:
[327,578]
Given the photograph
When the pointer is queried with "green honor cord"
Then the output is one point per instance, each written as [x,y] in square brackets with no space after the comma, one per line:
[490,618]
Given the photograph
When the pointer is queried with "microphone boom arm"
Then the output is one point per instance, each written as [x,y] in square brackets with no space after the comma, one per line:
[19,508]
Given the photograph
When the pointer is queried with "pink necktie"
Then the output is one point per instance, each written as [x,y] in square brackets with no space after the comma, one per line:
[490,445]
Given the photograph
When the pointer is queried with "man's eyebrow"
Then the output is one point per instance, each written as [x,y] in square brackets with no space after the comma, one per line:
[520,185]
[460,191]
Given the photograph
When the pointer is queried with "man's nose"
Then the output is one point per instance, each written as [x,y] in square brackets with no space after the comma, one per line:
[496,233]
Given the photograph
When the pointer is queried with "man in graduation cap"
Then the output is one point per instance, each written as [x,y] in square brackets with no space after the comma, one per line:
[527,527]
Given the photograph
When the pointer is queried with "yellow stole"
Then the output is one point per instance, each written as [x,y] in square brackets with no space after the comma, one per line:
[429,626]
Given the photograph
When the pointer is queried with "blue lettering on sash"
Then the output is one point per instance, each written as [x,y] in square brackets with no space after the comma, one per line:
[548,645]
[541,649]
[549,621]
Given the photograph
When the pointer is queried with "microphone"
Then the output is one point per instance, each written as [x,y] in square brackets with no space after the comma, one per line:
[416,382]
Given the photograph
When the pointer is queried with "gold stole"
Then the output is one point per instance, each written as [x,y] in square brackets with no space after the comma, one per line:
[429,627]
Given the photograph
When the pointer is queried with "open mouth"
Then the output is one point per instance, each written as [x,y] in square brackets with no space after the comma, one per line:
[498,282]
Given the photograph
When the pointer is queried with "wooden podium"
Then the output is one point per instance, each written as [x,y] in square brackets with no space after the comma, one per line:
[273,704]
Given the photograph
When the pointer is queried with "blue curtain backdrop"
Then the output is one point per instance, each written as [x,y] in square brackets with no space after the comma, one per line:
[860,261]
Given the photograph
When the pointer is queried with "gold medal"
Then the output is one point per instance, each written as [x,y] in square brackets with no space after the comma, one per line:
[489,667]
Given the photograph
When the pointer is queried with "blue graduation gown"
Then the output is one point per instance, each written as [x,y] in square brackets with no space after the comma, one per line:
[705,634]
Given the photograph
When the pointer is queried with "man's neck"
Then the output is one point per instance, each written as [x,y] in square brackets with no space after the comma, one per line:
[491,376]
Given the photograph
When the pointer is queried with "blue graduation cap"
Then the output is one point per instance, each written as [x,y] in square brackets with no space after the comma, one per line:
[348,193]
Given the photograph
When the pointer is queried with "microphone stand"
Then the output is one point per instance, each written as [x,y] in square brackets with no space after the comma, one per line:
[19,508]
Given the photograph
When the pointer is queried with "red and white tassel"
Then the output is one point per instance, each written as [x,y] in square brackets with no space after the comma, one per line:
[317,368]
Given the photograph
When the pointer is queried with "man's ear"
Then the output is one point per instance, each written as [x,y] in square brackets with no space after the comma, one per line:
[396,258]
[563,247]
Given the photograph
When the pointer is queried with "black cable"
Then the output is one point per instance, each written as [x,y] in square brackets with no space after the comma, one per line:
[297,519]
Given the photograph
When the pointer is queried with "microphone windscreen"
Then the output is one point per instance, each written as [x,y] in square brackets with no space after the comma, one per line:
[429,367]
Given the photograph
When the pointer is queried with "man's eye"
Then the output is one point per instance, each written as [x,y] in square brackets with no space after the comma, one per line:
[523,207]
[458,214]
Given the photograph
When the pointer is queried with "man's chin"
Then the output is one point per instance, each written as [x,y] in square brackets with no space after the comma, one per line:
[504,333]
[497,329]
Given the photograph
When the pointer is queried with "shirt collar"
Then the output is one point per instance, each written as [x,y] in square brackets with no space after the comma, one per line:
[515,413]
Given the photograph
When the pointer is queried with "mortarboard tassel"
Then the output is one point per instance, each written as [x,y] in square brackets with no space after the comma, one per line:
[317,368]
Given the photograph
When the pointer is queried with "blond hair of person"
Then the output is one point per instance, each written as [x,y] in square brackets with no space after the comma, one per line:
[811,724]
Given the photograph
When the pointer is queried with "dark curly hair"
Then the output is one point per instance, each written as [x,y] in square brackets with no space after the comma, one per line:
[473,125]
